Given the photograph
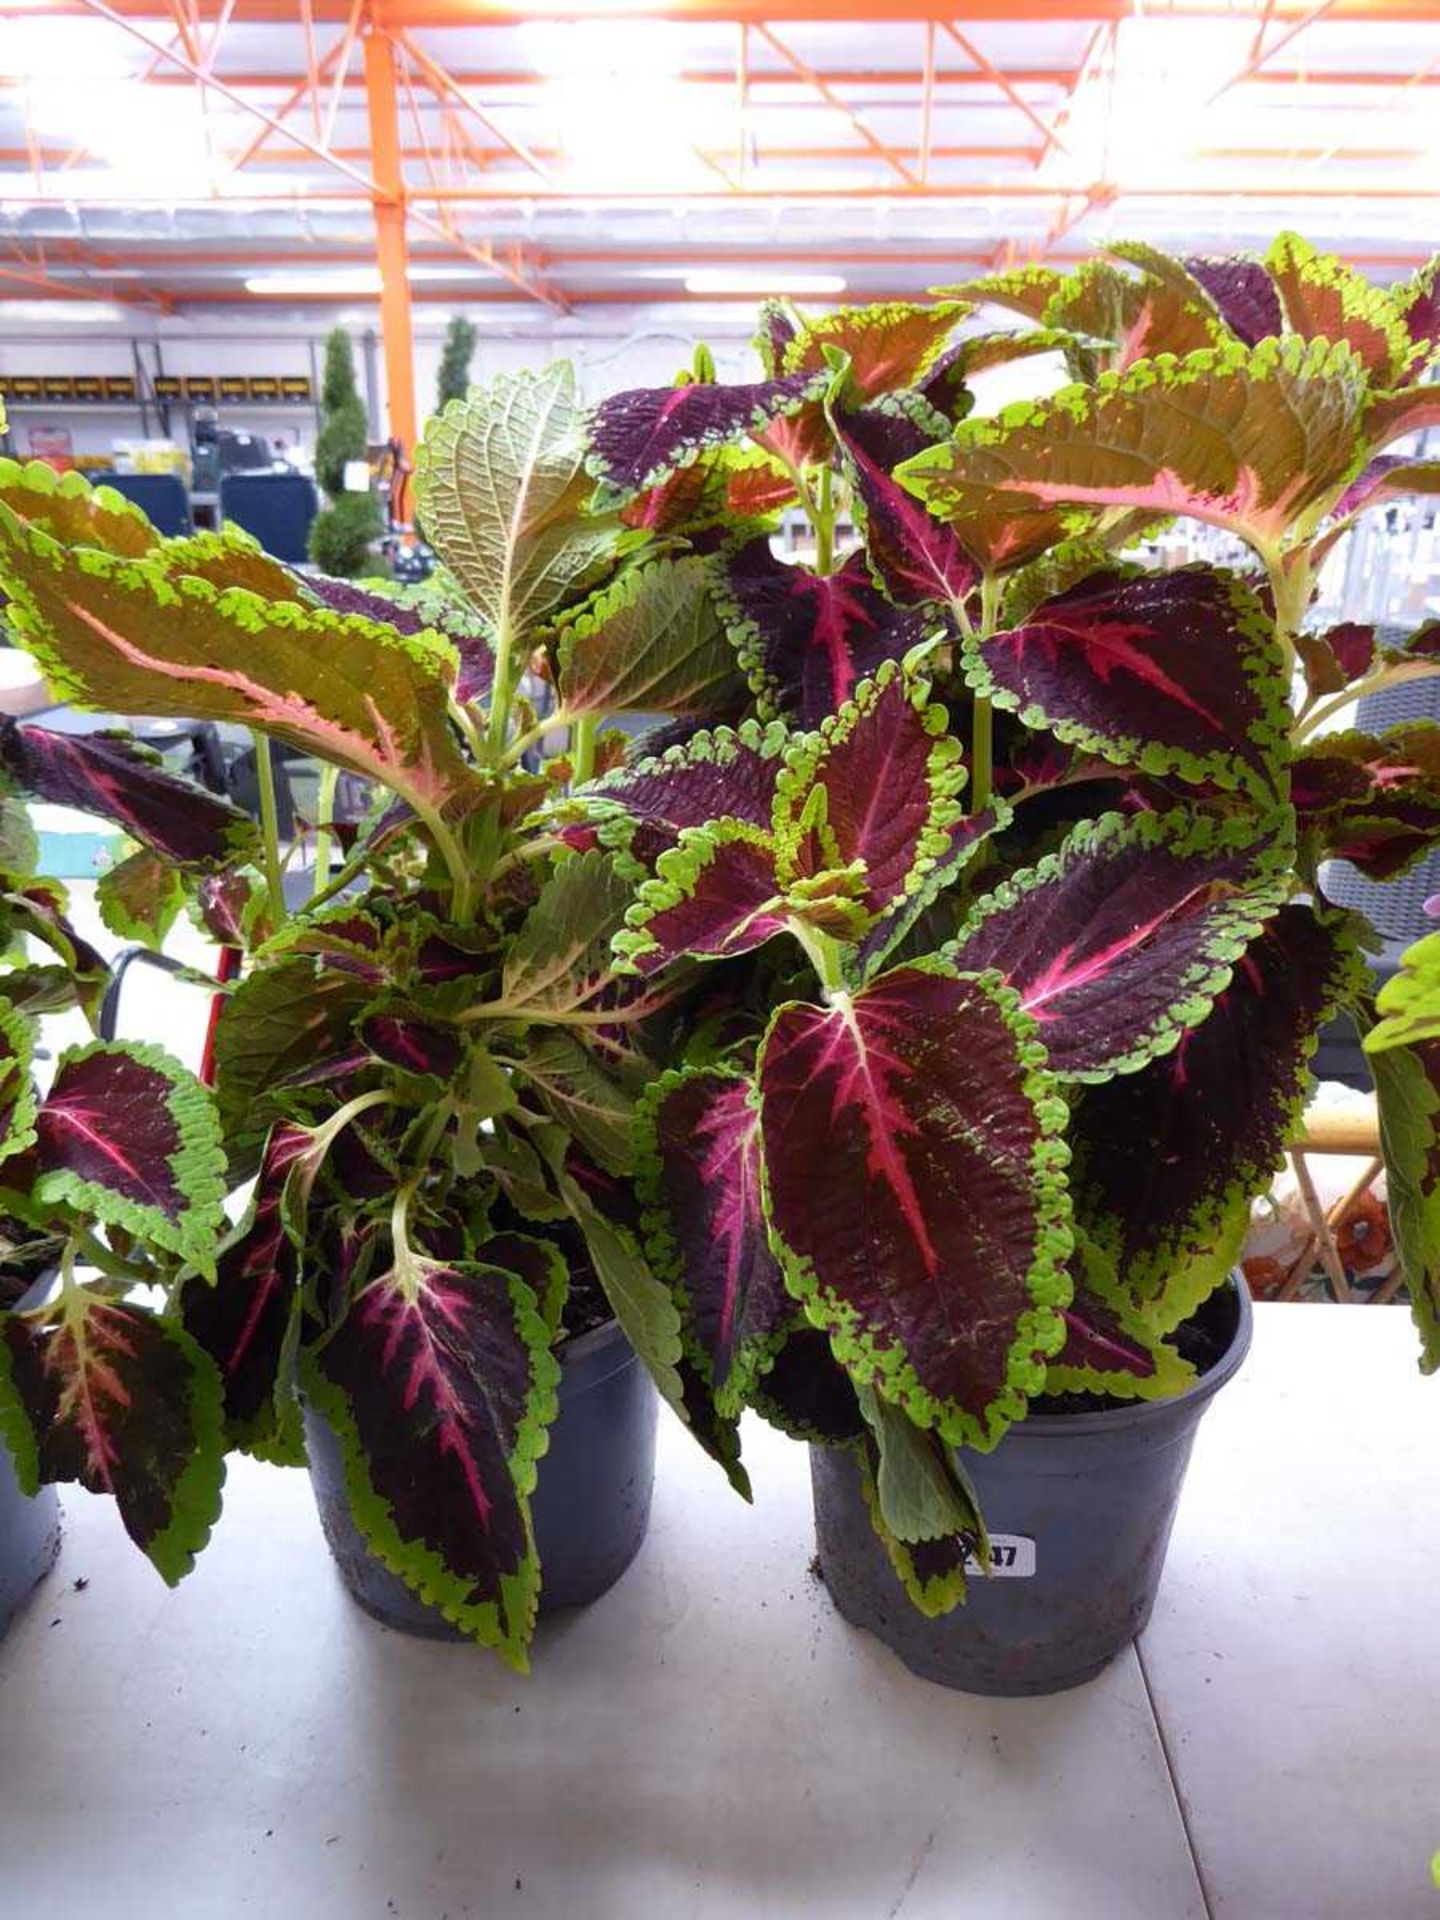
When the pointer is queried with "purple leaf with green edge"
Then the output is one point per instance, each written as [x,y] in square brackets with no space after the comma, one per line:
[414,1045]
[284,1017]
[127,1136]
[1395,416]
[913,557]
[1371,799]
[243,1319]
[110,775]
[1167,673]
[888,773]
[1108,1347]
[18,1101]
[651,643]
[806,640]
[1168,1160]
[963,841]
[66,506]
[879,1114]
[715,894]
[1135,316]
[641,436]
[1243,292]
[141,898]
[233,907]
[1324,299]
[1417,300]
[642,809]
[700,1181]
[118,1401]
[889,345]
[1353,645]
[1407,1093]
[440,1384]
[476,672]
[1119,942]
[122,635]
[716,1433]
[1246,438]
[807,1394]
[38,908]
[347,939]
[539,1263]
[774,330]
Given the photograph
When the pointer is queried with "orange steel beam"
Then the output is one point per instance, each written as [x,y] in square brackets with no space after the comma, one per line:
[226,92]
[1006,86]
[828,93]
[1260,54]
[442,84]
[487,157]
[285,109]
[347,45]
[481,13]
[395,331]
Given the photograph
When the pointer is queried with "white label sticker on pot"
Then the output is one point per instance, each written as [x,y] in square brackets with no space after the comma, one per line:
[1012,1556]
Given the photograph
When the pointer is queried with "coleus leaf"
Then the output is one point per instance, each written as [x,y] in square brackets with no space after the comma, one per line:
[18,1101]
[775,328]
[1120,942]
[112,776]
[1244,294]
[640,437]
[913,557]
[560,958]
[19,843]
[805,640]
[227,556]
[1417,301]
[475,674]
[642,809]
[1407,1090]
[1026,290]
[37,907]
[922,1491]
[119,1401]
[652,643]
[1249,439]
[807,1394]
[889,344]
[1373,800]
[402,1039]
[878,1114]
[1169,673]
[67,507]
[1168,1160]
[1409,999]
[862,815]
[575,1088]
[1109,1349]
[500,485]
[141,898]
[1136,316]
[128,1137]
[964,840]
[934,1573]
[244,1318]
[1324,299]
[283,1018]
[440,1384]
[700,1182]
[120,634]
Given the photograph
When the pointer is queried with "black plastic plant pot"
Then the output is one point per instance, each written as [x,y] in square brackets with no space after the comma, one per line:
[1079,1507]
[591,1504]
[29,1540]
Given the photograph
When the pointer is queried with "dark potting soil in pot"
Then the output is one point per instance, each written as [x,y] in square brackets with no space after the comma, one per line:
[1082,1493]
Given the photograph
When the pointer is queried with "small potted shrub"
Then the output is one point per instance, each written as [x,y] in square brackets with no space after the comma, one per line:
[428,1063]
[1010,893]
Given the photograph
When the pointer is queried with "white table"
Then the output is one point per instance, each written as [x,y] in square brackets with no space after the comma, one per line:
[710,1740]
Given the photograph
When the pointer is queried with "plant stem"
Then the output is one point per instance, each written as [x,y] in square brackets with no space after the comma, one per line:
[1395,674]
[824,523]
[982,724]
[582,758]
[462,903]
[522,741]
[501,691]
[823,953]
[269,826]
[324,818]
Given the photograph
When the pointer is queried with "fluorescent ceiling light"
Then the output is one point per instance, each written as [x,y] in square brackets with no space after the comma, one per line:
[760,283]
[359,280]
[1154,111]
[47,312]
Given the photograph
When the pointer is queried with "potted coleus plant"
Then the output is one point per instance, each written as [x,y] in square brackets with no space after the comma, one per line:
[105,1152]
[428,1066]
[1011,894]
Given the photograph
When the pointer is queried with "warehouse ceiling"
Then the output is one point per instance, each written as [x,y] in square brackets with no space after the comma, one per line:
[211,153]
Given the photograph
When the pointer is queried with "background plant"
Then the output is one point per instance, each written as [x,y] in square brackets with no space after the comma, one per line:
[341,533]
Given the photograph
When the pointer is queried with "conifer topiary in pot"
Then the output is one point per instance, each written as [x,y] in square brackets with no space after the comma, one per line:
[1011,895]
[427,1069]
